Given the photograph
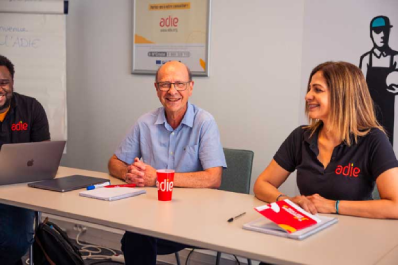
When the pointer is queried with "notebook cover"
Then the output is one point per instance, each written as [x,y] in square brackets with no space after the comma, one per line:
[288,215]
[263,225]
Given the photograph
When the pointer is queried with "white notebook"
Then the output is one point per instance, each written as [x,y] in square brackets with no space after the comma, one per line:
[263,225]
[112,194]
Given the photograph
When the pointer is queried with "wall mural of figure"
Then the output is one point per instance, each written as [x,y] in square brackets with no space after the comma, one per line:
[377,64]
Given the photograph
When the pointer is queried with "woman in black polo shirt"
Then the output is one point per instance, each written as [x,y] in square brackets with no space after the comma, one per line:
[341,155]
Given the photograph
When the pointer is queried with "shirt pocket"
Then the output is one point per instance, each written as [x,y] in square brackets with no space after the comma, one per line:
[189,159]
[192,149]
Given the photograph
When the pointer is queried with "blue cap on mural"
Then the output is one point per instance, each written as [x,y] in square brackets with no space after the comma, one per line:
[380,21]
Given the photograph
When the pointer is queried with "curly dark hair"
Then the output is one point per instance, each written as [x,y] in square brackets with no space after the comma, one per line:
[7,63]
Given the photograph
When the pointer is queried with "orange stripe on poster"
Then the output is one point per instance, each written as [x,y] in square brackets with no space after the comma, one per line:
[203,64]
[169,6]
[139,39]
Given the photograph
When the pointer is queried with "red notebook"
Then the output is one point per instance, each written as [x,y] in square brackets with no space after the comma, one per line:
[288,215]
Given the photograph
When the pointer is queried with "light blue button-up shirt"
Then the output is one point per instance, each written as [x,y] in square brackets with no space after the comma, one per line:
[193,146]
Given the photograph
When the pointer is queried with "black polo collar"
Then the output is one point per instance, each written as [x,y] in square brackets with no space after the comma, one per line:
[14,102]
[313,140]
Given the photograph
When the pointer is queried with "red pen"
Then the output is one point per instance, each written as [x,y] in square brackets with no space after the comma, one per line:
[120,186]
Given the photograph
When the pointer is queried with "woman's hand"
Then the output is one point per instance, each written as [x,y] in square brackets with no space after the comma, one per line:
[305,203]
[321,204]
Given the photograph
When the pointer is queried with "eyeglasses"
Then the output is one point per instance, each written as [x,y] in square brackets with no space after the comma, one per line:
[4,82]
[179,86]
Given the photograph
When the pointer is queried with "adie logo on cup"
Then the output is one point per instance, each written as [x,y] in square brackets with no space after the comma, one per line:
[165,185]
[348,170]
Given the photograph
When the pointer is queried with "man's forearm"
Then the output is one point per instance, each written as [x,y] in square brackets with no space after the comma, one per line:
[117,168]
[209,178]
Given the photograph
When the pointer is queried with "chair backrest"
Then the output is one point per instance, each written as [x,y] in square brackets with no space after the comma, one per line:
[375,194]
[237,176]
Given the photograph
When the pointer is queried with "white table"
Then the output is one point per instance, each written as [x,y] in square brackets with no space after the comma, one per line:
[199,217]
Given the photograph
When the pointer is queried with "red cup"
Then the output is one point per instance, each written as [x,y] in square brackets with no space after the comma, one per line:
[165,183]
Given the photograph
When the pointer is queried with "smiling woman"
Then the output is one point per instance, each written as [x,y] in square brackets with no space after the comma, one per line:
[341,155]
[317,98]
[344,95]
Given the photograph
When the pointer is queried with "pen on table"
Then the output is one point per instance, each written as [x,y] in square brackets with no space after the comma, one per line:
[96,186]
[131,185]
[233,218]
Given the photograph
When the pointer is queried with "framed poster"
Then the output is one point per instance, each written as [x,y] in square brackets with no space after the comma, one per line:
[171,30]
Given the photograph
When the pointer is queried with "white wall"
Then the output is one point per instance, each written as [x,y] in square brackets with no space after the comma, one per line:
[253,90]
[343,34]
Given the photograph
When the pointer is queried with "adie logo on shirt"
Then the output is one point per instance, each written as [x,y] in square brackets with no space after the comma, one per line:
[348,170]
[19,126]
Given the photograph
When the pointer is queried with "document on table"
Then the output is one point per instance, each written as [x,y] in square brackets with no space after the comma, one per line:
[263,225]
[287,219]
[112,194]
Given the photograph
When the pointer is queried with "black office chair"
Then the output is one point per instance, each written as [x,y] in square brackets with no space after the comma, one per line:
[235,178]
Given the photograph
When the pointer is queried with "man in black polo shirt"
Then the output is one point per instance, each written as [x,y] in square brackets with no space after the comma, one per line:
[22,119]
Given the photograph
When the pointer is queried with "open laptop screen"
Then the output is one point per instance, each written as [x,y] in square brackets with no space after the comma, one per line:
[27,162]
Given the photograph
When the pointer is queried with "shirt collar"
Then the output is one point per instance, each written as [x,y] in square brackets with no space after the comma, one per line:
[14,102]
[379,53]
[3,115]
[189,116]
[312,140]
[187,120]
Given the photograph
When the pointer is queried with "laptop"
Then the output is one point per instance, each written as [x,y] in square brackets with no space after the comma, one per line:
[68,183]
[27,162]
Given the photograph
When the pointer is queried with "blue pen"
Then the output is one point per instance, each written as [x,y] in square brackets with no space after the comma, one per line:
[99,185]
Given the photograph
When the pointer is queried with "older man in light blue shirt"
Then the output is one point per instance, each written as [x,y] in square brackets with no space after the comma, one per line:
[177,136]
[193,146]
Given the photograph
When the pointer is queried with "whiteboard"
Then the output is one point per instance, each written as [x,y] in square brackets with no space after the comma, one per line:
[36,45]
